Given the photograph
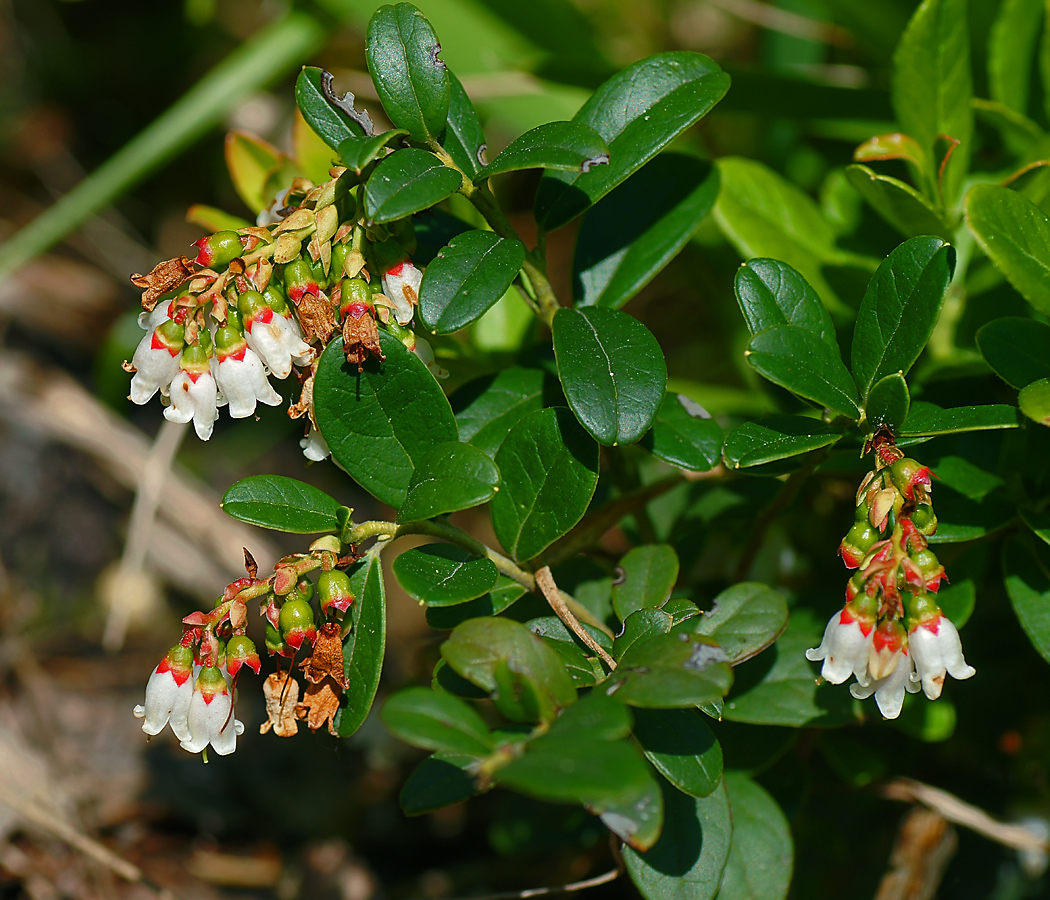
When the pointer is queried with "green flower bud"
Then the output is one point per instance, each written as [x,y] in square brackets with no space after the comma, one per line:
[297,623]
[924,519]
[334,591]
[218,250]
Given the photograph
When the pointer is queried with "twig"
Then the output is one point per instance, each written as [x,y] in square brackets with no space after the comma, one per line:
[604,878]
[925,845]
[786,22]
[545,582]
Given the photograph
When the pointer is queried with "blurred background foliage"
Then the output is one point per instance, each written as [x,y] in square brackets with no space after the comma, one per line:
[319,818]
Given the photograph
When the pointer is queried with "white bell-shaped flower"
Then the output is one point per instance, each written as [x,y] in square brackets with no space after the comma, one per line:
[194,394]
[315,447]
[844,649]
[168,694]
[401,288]
[889,691]
[210,717]
[936,647]
[156,361]
[426,354]
[240,376]
[272,333]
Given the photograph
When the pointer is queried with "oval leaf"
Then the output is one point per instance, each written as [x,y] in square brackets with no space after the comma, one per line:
[771,293]
[324,111]
[444,575]
[436,721]
[671,670]
[450,477]
[563,146]
[440,780]
[1028,587]
[505,593]
[487,408]
[928,420]
[364,646]
[406,182]
[1017,349]
[283,504]
[358,152]
[645,577]
[463,138]
[898,203]
[682,747]
[761,854]
[888,403]
[684,434]
[745,619]
[1034,401]
[775,438]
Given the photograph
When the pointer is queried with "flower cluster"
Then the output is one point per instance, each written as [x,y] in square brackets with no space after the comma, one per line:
[266,300]
[193,687]
[891,634]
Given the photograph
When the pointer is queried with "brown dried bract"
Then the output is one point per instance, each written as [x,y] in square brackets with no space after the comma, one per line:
[360,337]
[166,276]
[281,693]
[327,659]
[320,704]
[317,318]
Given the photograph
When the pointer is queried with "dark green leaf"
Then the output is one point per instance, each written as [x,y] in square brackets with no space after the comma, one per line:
[559,146]
[640,626]
[440,780]
[671,670]
[771,293]
[957,601]
[406,182]
[593,718]
[1017,349]
[682,747]
[554,628]
[444,574]
[402,55]
[899,309]
[1015,233]
[434,228]
[629,235]
[888,403]
[466,279]
[1039,523]
[550,469]
[612,371]
[449,477]
[804,364]
[436,721]
[1011,51]
[487,409]
[646,576]
[364,646]
[684,434]
[463,139]
[1028,585]
[506,592]
[927,420]
[1034,401]
[775,438]
[688,860]
[745,619]
[638,112]
[580,668]
[898,203]
[761,854]
[358,152]
[283,504]
[380,423]
[331,123]
[680,609]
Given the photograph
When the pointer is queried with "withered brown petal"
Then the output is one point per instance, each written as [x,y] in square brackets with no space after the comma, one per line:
[166,276]
[327,658]
[281,693]
[320,704]
[317,317]
[360,337]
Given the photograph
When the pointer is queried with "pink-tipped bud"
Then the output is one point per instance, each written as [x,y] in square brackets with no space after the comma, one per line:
[908,474]
[240,651]
[297,623]
[334,591]
[218,250]
[857,542]
[299,280]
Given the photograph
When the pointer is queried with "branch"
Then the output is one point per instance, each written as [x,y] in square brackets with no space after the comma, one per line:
[554,597]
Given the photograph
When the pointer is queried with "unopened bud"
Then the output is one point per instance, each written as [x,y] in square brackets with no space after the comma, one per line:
[218,250]
[334,591]
[240,651]
[908,474]
[297,623]
[300,280]
[355,298]
[275,643]
[857,542]
[924,519]
[930,567]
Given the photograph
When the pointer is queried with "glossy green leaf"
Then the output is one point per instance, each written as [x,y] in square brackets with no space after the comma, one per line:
[645,577]
[899,309]
[1034,401]
[928,420]
[898,203]
[559,146]
[888,403]
[444,574]
[638,112]
[612,371]
[436,721]
[629,235]
[467,278]
[555,629]
[1017,349]
[358,152]
[487,408]
[683,748]
[932,87]
[364,646]
[1039,523]
[684,434]
[806,365]
[1011,51]
[440,780]
[406,182]
[413,84]
[501,597]
[1015,233]
[550,470]
[671,670]
[775,438]
[434,228]
[688,860]
[581,668]
[283,504]
[381,423]
[449,477]
[463,138]
[594,718]
[745,619]
[640,626]
[680,609]
[327,118]
[772,293]
[761,853]
[1028,586]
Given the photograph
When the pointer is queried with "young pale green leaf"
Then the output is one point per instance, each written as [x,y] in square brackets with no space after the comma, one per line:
[745,619]
[1011,51]
[645,578]
[612,371]
[594,718]
[688,860]
[775,438]
[772,293]
[1017,349]
[638,112]
[364,646]
[671,670]
[467,278]
[283,504]
[898,203]
[1034,401]
[413,84]
[253,164]
[682,747]
[323,111]
[463,138]
[358,152]
[928,420]
[1015,233]
[505,593]
[888,403]
[380,423]
[440,780]
[444,574]
[684,435]
[639,626]
[932,86]
[450,477]
[629,235]
[806,365]
[487,408]
[899,309]
[406,182]
[436,721]
[761,854]
[1028,587]
[549,466]
[558,146]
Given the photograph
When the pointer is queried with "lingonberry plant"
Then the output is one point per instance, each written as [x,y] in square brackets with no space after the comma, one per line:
[565,675]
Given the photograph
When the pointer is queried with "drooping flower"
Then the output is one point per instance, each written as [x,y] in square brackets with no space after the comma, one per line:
[193,393]
[239,374]
[847,643]
[315,447]
[210,717]
[889,691]
[168,694]
[272,333]
[401,287]
[156,361]
[936,648]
